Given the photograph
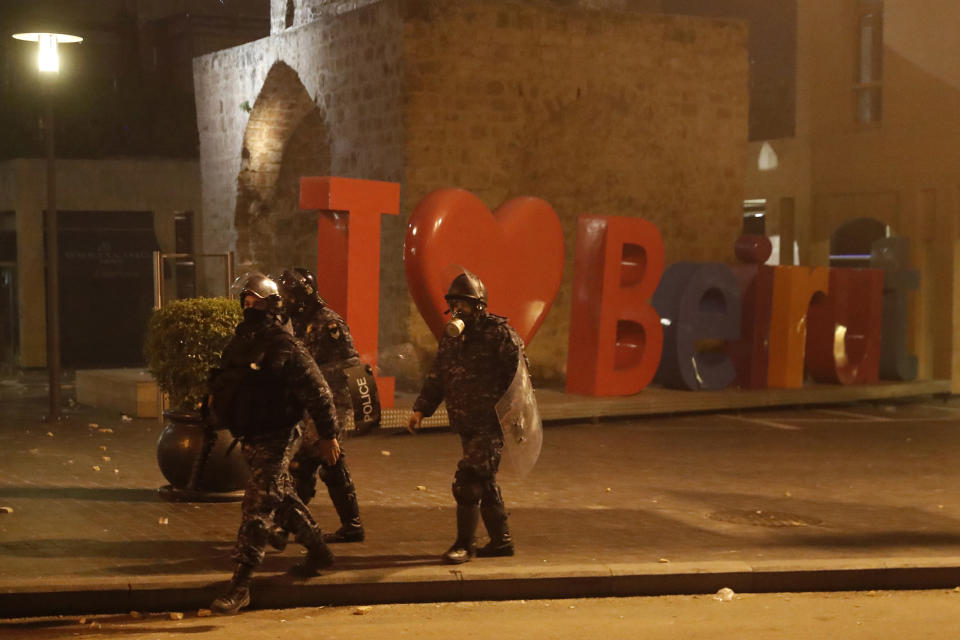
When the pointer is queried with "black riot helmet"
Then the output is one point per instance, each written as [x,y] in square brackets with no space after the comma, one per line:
[298,288]
[467,286]
[262,287]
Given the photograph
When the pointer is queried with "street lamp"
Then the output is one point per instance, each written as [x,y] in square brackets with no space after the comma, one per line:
[48,62]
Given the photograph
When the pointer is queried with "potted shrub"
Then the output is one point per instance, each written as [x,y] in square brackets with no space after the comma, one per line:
[184,340]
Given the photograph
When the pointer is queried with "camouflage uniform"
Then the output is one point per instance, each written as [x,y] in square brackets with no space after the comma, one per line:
[270,495]
[327,338]
[471,372]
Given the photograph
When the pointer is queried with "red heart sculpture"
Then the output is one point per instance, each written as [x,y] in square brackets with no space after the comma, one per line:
[517,251]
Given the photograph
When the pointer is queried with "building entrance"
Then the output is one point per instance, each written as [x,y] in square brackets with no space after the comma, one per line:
[106,287]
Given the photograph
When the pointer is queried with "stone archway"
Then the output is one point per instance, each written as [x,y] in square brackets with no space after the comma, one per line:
[286,138]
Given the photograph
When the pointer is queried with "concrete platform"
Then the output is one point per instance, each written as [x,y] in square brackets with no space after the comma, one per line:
[555,405]
[130,391]
[134,393]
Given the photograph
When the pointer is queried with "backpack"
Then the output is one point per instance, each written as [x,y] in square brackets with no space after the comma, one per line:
[247,397]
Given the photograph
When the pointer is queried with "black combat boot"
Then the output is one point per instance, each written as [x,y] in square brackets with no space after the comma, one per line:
[468,517]
[344,500]
[495,520]
[319,555]
[237,595]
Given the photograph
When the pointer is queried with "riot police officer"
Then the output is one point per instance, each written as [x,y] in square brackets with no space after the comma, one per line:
[327,337]
[475,364]
[264,384]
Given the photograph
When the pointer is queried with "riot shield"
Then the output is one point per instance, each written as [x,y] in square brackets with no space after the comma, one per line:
[364,396]
[520,421]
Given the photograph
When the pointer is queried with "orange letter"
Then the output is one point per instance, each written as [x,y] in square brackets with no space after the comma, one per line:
[615,334]
[348,243]
[793,290]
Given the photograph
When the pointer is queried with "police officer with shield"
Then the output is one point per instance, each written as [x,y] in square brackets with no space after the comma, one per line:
[327,337]
[477,360]
[264,384]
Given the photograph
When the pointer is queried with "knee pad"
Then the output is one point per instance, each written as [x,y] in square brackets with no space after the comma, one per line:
[337,475]
[466,492]
[491,494]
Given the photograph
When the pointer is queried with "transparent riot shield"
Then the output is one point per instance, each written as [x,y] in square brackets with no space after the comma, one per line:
[520,422]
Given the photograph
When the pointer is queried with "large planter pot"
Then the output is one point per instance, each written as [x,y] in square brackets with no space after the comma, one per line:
[179,449]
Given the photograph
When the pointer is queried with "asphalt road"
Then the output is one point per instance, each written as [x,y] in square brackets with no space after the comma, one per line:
[849,616]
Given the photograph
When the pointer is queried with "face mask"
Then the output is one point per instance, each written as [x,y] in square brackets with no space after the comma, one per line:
[254,315]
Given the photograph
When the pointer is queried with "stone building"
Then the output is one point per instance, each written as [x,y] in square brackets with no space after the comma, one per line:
[599,109]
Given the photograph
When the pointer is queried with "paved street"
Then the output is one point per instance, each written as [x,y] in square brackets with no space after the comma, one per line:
[856,496]
[874,615]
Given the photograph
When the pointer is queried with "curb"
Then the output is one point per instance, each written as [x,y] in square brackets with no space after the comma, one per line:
[464,584]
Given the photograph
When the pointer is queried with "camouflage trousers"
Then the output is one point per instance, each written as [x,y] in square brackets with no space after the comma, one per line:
[270,497]
[307,463]
[476,478]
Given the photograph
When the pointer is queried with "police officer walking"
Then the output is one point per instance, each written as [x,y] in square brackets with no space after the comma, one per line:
[475,364]
[327,337]
[265,383]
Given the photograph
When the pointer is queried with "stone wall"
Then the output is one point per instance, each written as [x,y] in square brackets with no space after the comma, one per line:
[286,14]
[599,112]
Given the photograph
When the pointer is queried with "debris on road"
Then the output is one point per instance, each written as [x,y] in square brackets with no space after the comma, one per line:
[126,418]
[163,521]
[384,453]
[6,509]
[176,615]
[724,595]
[362,611]
[420,487]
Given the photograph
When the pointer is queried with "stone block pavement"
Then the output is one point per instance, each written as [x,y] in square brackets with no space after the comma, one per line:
[857,497]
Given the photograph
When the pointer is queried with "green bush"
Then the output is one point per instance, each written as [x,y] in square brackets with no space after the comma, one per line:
[184,340]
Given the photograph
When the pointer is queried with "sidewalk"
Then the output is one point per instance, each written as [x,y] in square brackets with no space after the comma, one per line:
[855,497]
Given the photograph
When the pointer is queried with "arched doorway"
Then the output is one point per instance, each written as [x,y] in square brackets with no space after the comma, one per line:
[286,138]
[851,242]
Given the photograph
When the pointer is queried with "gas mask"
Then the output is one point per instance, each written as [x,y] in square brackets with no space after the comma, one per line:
[461,313]
[455,326]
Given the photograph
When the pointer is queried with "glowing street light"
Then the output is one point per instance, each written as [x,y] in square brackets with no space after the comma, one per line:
[48,62]
[47,58]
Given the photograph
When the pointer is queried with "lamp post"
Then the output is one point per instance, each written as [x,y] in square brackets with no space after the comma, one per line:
[48,62]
